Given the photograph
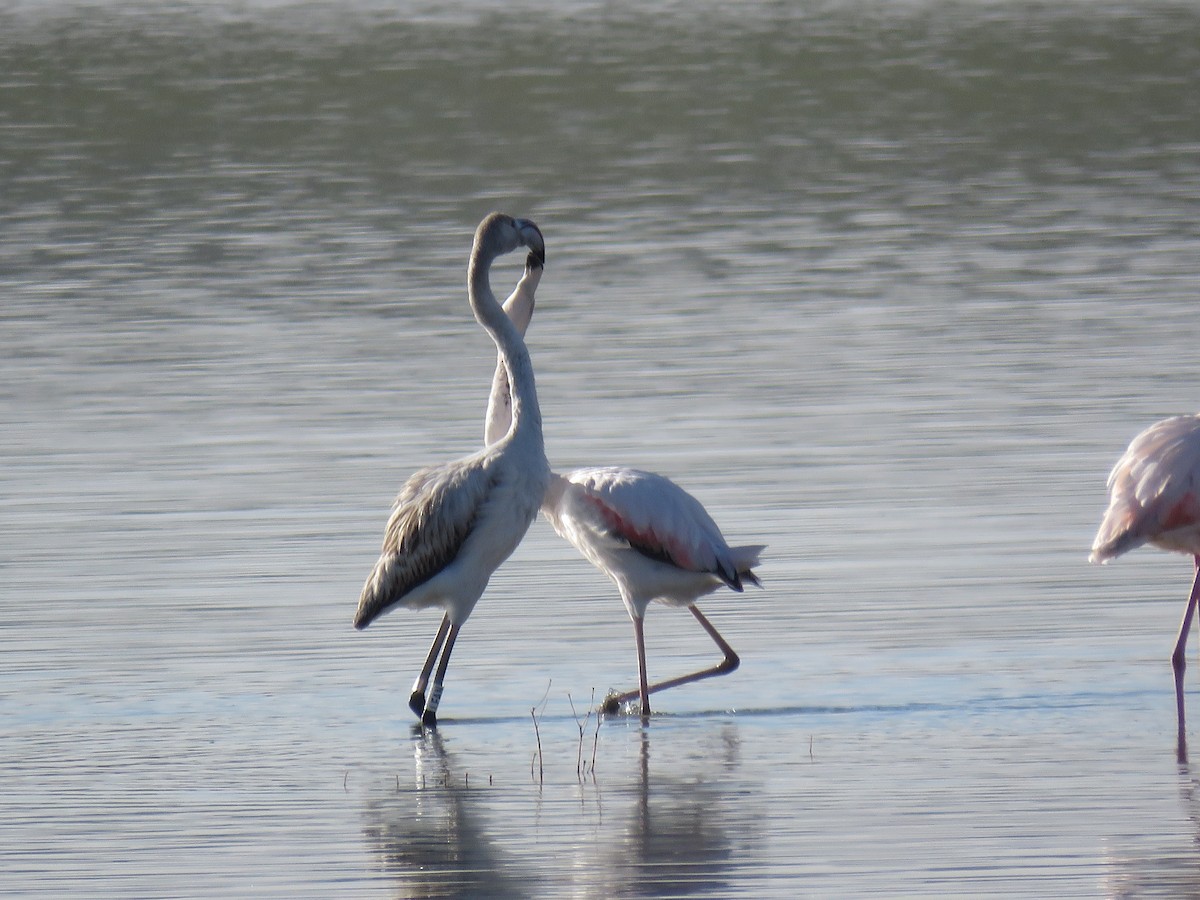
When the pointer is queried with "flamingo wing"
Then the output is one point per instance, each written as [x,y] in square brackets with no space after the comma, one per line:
[1154,491]
[431,520]
[655,517]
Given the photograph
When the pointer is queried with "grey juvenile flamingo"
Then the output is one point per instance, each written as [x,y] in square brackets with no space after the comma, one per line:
[452,525]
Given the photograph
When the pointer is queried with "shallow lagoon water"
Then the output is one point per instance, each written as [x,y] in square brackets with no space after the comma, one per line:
[887,286]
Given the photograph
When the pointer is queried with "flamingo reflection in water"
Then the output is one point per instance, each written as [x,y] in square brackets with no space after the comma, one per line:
[454,524]
[650,536]
[1154,498]
[679,829]
[433,835]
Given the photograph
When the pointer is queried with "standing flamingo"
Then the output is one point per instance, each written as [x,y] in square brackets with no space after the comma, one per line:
[454,524]
[650,536]
[1154,498]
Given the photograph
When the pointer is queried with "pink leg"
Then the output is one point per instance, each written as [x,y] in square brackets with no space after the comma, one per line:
[416,701]
[639,638]
[725,666]
[732,660]
[1179,657]
[613,702]
[429,716]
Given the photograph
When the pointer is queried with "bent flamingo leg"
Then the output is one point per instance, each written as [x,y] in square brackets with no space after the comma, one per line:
[1179,657]
[416,701]
[724,667]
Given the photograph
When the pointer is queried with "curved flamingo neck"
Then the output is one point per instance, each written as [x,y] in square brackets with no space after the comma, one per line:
[526,415]
[519,308]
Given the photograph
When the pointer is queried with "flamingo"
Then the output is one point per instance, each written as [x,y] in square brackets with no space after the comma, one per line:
[650,536]
[453,524]
[1154,498]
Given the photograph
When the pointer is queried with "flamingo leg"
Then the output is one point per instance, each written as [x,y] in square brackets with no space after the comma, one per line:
[639,637]
[613,703]
[1179,657]
[429,716]
[416,701]
[732,660]
[724,667]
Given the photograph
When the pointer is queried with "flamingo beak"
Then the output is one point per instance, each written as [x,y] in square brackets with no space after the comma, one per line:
[531,237]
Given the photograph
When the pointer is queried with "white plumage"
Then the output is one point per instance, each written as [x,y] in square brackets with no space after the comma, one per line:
[1153,495]
[1154,499]
[652,538]
[453,524]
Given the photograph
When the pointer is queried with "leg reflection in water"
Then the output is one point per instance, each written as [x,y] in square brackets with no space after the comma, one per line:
[668,812]
[676,842]
[432,835]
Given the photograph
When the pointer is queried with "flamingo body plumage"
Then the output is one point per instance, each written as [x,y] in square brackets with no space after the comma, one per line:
[1154,492]
[652,538]
[1154,498]
[450,528]
[452,525]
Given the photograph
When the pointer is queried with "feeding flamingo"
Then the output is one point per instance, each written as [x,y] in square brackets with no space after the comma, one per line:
[452,525]
[650,536]
[1154,498]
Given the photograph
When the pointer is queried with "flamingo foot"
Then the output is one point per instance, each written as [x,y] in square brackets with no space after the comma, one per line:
[417,702]
[623,705]
[429,716]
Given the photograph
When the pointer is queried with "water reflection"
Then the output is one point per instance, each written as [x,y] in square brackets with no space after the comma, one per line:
[675,821]
[434,840]
[675,842]
[1163,872]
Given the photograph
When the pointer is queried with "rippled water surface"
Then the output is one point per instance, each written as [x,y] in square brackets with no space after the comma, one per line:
[888,286]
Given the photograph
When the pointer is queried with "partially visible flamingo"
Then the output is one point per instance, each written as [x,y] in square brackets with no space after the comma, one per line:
[650,536]
[1154,498]
[454,524]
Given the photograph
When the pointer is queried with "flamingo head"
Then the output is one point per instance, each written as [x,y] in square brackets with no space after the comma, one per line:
[499,234]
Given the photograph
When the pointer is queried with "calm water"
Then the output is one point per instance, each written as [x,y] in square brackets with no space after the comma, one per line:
[887,285]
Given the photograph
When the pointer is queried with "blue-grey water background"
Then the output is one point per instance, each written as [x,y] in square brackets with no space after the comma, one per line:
[887,285]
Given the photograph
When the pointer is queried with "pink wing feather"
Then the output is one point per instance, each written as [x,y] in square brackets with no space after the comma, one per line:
[659,519]
[1154,492]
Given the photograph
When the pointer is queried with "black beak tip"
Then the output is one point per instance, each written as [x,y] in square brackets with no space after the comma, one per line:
[538,247]
[532,238]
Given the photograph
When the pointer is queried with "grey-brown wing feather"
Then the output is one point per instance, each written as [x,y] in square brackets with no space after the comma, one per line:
[431,519]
